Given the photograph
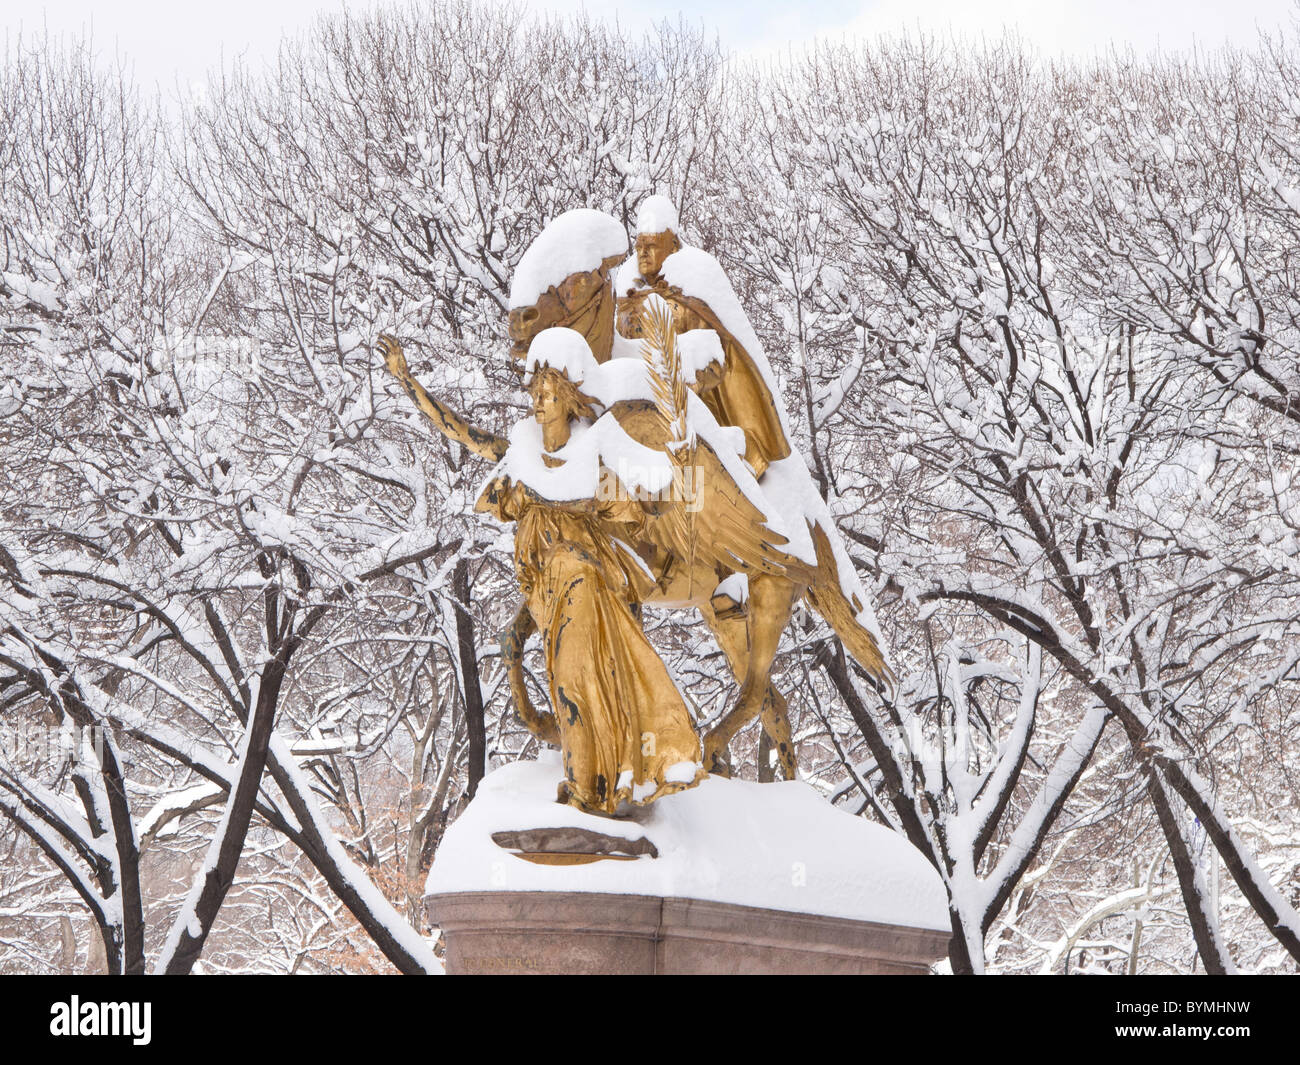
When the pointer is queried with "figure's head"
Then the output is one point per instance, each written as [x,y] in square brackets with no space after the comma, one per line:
[656,235]
[651,251]
[563,279]
[558,362]
[557,400]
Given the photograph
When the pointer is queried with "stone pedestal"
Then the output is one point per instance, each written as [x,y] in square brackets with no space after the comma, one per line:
[556,932]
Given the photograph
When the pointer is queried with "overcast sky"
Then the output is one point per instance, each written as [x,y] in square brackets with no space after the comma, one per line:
[179,40]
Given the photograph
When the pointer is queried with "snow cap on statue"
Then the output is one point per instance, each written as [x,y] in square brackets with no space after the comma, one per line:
[575,242]
[561,349]
[656,215]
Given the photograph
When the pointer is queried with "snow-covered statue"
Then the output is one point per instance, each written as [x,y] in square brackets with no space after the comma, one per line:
[737,386]
[737,530]
[570,482]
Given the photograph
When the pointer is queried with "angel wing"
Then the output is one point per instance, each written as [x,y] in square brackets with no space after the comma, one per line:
[707,523]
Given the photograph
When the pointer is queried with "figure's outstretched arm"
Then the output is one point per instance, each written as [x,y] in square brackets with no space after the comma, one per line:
[449,423]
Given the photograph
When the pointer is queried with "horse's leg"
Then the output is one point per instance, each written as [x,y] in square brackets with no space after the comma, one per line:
[732,638]
[776,723]
[512,640]
[750,649]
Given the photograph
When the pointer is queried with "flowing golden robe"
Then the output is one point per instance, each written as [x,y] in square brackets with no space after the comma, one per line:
[626,735]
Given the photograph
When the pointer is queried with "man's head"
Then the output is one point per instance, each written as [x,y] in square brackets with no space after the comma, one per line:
[656,235]
[651,251]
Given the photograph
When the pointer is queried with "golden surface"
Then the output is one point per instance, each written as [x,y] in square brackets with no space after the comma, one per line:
[616,712]
[621,721]
[449,423]
[583,301]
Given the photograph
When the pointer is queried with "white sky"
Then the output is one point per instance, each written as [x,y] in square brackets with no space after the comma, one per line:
[170,41]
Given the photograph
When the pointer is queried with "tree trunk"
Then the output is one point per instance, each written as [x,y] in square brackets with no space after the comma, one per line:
[473,694]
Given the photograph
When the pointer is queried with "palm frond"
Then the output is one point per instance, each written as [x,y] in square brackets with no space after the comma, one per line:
[664,364]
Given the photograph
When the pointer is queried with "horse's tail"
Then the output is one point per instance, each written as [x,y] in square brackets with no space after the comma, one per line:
[827,597]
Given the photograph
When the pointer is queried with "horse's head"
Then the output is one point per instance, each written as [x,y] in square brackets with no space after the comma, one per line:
[583,301]
[581,248]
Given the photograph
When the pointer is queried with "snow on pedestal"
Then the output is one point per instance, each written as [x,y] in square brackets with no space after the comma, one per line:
[746,857]
[780,846]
